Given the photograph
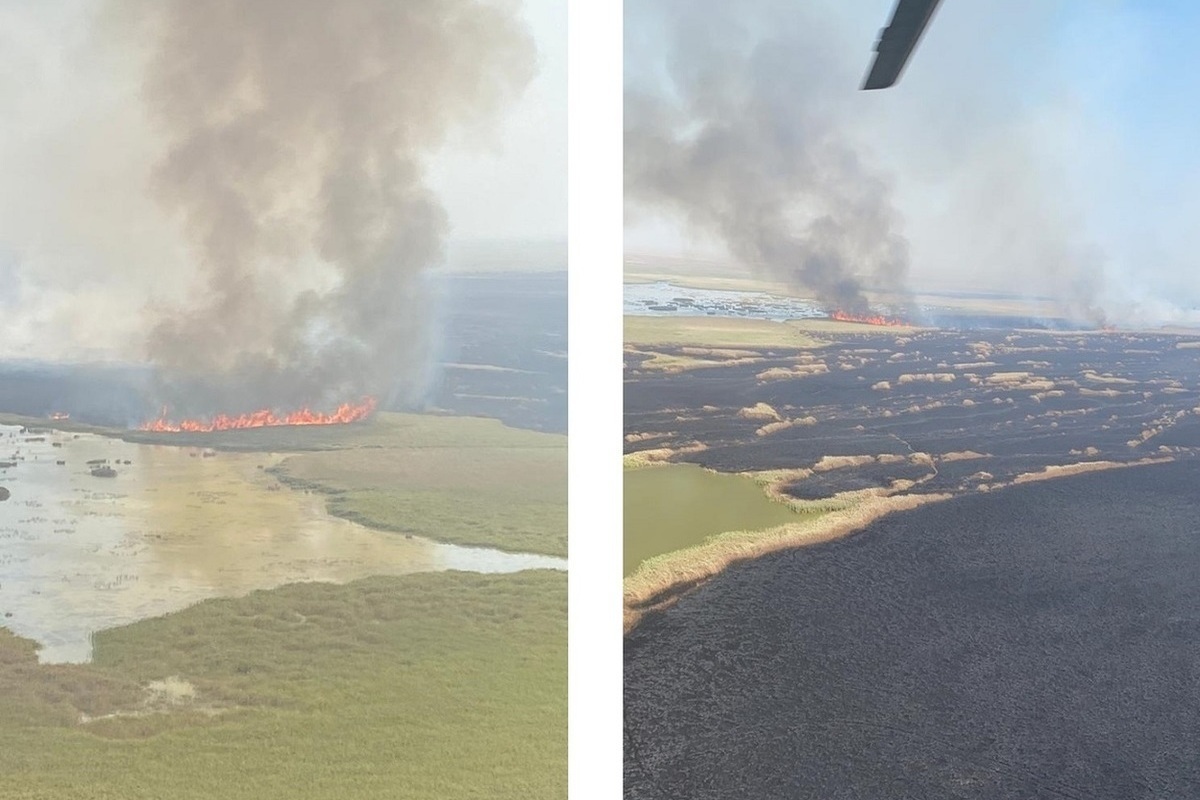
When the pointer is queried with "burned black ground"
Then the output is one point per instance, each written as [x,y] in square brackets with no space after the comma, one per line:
[1037,641]
[501,347]
[1025,400]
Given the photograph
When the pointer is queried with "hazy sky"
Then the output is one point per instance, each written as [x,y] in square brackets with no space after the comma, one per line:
[1037,145]
[76,151]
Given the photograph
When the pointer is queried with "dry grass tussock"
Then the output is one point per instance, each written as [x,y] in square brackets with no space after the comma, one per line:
[784,424]
[1060,471]
[797,371]
[660,455]
[658,582]
[929,377]
[643,437]
[671,363]
[760,411]
[961,455]
[828,463]
[1101,392]
[1094,377]
[719,352]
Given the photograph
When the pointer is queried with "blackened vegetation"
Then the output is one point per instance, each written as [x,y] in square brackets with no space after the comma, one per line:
[517,322]
[100,394]
[1039,641]
[514,321]
[1023,400]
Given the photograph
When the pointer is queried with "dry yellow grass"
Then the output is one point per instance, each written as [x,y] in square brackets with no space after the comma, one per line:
[760,411]
[659,581]
[929,377]
[716,332]
[647,436]
[1059,471]
[775,427]
[961,455]
[660,455]
[787,373]
[828,463]
[672,363]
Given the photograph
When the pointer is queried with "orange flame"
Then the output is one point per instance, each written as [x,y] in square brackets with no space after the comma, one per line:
[873,319]
[60,415]
[346,412]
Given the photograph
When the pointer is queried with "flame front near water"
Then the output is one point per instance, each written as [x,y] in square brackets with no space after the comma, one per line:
[871,319]
[346,412]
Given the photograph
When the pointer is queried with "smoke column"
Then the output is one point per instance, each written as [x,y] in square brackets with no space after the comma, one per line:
[296,136]
[739,135]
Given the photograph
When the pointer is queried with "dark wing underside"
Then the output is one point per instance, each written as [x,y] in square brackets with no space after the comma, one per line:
[898,40]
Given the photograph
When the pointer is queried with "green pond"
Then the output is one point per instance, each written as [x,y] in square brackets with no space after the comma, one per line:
[680,505]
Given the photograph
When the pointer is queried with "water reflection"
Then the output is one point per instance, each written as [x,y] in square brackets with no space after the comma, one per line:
[80,553]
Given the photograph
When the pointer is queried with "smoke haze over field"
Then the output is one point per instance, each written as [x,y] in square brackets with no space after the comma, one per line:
[745,145]
[251,195]
[1036,148]
[298,130]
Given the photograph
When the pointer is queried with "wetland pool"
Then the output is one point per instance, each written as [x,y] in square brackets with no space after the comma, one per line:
[174,526]
[674,506]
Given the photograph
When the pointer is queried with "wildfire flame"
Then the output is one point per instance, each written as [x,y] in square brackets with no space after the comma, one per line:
[346,412]
[867,319]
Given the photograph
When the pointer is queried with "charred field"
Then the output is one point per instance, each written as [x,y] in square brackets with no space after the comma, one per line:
[1023,638]
[951,410]
[1035,642]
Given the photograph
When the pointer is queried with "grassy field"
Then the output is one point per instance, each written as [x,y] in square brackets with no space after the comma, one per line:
[424,686]
[421,686]
[715,332]
[462,480]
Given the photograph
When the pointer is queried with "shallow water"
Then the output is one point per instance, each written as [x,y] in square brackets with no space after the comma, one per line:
[79,553]
[673,506]
[666,299]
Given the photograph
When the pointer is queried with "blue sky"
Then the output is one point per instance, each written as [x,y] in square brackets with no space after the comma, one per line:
[1028,142]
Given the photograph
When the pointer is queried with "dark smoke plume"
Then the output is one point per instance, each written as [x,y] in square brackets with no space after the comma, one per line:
[740,136]
[297,133]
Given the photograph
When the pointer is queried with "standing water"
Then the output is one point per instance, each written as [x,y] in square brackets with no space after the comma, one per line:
[82,549]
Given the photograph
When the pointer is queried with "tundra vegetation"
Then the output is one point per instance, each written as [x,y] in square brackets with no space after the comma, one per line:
[428,685]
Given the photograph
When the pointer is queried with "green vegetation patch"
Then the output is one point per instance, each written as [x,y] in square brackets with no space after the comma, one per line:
[466,518]
[678,506]
[716,332]
[421,686]
[462,480]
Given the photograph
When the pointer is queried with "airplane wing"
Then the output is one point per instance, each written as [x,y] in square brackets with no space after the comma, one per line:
[898,40]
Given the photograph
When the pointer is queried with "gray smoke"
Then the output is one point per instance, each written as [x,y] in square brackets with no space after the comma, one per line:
[740,135]
[297,133]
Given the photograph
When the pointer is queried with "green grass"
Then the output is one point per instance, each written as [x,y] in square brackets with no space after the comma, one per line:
[458,517]
[459,480]
[423,686]
[681,506]
[716,332]
[463,480]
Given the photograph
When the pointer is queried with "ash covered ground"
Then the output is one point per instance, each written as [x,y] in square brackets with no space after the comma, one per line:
[947,410]
[1039,641]
[1033,640]
[501,353]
